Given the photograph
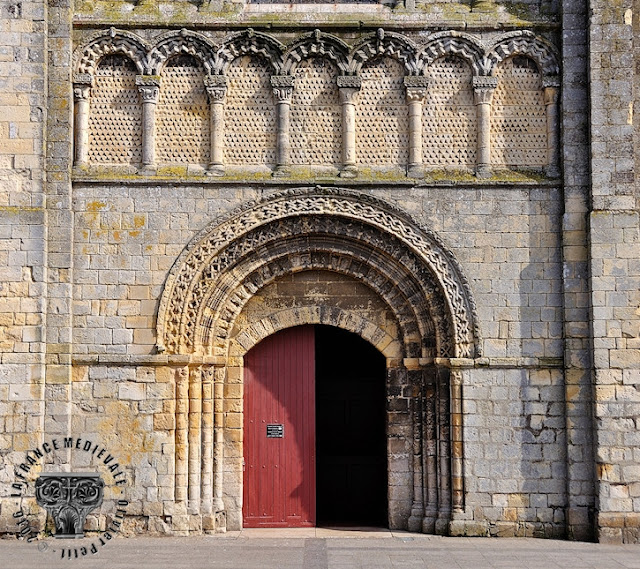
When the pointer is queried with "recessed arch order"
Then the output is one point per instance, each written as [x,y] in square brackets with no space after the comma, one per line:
[343,231]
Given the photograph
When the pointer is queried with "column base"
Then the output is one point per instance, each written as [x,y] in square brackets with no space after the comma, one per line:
[483,172]
[415,171]
[552,172]
[282,171]
[148,170]
[415,520]
[441,526]
[215,170]
[349,171]
[429,524]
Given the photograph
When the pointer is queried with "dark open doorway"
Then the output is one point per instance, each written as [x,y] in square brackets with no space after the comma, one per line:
[351,448]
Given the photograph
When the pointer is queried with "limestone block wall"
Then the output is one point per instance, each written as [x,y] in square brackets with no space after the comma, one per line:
[130,410]
[614,236]
[506,239]
[22,232]
[549,404]
[578,348]
[515,452]
[22,112]
[128,237]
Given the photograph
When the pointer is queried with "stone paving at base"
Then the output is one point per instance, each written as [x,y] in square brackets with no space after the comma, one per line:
[327,548]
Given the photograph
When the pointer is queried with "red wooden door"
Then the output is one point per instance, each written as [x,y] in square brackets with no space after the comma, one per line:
[279,485]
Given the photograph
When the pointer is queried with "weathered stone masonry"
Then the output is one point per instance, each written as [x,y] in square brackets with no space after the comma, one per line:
[455,182]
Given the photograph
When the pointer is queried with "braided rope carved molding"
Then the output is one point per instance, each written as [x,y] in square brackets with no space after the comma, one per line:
[415,58]
[195,279]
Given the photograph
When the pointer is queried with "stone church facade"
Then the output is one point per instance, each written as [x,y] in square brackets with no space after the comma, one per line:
[453,182]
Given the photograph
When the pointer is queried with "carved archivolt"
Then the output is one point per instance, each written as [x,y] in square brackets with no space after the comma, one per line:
[349,232]
[458,44]
[416,58]
[527,44]
[316,44]
[387,44]
[182,42]
[322,243]
[112,41]
[250,42]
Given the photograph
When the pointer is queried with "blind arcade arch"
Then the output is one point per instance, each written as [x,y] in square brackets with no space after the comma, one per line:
[347,65]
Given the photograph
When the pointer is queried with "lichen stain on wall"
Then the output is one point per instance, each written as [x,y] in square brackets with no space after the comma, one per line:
[122,433]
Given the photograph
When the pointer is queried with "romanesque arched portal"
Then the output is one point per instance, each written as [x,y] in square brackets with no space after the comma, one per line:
[206,310]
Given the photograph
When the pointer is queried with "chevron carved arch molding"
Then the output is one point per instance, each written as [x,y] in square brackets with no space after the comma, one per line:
[111,41]
[528,44]
[316,44]
[150,57]
[200,287]
[381,44]
[182,42]
[465,46]
[250,42]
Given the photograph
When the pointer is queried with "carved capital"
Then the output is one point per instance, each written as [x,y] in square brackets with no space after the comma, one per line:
[551,87]
[69,497]
[416,95]
[348,95]
[483,88]
[149,87]
[81,92]
[82,83]
[216,86]
[283,86]
[416,88]
[348,87]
